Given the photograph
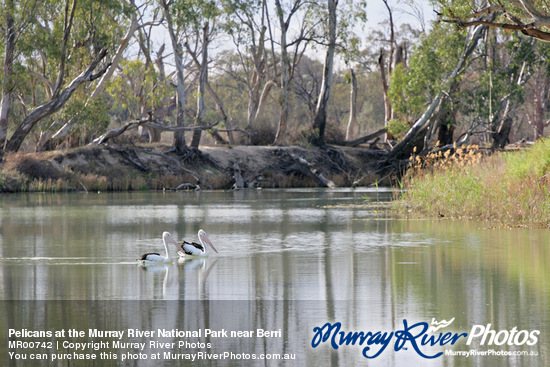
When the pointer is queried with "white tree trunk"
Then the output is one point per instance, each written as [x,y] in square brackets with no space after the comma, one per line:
[179,136]
[352,122]
[7,85]
[320,119]
[203,80]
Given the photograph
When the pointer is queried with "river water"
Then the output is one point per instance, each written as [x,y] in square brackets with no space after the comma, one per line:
[288,261]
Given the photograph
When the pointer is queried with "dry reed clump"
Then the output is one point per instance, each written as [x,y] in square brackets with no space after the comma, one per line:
[501,188]
[445,159]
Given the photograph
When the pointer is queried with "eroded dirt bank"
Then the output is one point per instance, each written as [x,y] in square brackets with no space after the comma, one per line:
[115,167]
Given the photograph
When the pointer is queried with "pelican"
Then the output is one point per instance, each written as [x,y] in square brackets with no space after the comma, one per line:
[195,249]
[155,257]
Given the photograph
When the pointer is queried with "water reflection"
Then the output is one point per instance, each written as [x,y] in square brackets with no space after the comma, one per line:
[327,254]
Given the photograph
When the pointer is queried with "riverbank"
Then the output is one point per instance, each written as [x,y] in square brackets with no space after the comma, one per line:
[508,188]
[120,168]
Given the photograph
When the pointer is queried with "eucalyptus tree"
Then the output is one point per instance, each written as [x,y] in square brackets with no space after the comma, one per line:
[356,61]
[483,102]
[391,44]
[292,46]
[320,117]
[509,66]
[191,25]
[63,39]
[338,18]
[200,16]
[419,84]
[530,18]
[16,17]
[246,22]
[536,108]
[169,8]
[449,70]
[139,89]
[130,18]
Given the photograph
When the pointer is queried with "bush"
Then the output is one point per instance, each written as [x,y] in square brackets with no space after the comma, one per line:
[30,167]
[262,135]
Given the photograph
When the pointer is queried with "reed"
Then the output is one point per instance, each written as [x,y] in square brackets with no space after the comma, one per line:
[511,189]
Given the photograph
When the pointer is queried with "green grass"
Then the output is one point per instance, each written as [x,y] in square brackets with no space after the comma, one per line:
[508,188]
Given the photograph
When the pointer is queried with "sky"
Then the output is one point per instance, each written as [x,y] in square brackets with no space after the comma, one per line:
[376,14]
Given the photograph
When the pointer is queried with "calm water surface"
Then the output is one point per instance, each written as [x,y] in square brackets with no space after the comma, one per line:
[288,260]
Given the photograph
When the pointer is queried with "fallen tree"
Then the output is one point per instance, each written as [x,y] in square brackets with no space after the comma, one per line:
[364,139]
[154,123]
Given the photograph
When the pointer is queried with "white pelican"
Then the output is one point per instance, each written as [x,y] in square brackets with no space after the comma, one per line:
[195,249]
[155,257]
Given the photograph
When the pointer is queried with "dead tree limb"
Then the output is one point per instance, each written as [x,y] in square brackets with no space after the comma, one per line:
[237,175]
[302,166]
[364,139]
[153,123]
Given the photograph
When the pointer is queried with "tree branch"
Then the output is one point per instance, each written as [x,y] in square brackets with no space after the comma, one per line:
[55,103]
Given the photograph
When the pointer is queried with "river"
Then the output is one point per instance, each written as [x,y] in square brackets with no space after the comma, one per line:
[289,261]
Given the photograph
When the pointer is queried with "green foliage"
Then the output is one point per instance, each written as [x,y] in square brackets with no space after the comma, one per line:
[397,127]
[534,162]
[90,117]
[499,78]
[434,57]
[39,55]
[191,14]
[137,88]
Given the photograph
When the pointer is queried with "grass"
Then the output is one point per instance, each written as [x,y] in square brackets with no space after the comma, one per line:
[511,189]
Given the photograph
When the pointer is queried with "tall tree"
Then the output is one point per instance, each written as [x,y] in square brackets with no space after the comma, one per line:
[246,22]
[394,43]
[203,80]
[338,18]
[405,147]
[352,121]
[7,82]
[320,119]
[179,135]
[386,68]
[539,85]
[196,22]
[291,52]
[64,131]
[13,28]
[66,56]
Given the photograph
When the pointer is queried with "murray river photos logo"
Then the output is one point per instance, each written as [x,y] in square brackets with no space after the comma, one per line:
[420,337]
